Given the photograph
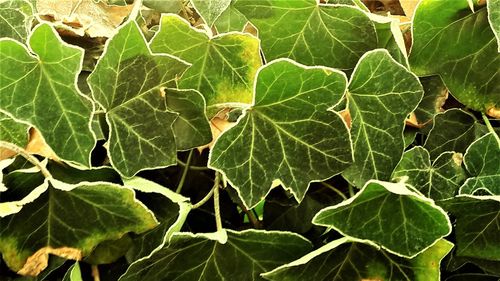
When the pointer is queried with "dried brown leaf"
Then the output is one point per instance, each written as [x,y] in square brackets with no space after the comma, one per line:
[37,145]
[218,125]
[39,260]
[409,7]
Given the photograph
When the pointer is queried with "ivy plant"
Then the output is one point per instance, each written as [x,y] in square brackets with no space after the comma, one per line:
[249,140]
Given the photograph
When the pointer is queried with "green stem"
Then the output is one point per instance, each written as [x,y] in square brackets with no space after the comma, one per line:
[184,173]
[196,168]
[488,124]
[205,199]
[335,190]
[218,220]
[27,156]
[351,191]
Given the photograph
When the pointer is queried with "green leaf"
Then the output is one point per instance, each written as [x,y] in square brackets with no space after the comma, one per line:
[12,131]
[69,220]
[162,6]
[477,225]
[352,259]
[287,135]
[494,18]
[30,85]
[469,68]
[109,251]
[73,273]
[482,162]
[390,215]
[453,130]
[381,94]
[170,208]
[15,19]
[191,128]
[141,135]
[223,67]
[230,20]
[311,33]
[210,10]
[435,95]
[219,256]
[438,180]
[390,37]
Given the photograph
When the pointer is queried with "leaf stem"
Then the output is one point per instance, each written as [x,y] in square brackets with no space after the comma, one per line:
[252,217]
[184,173]
[218,220]
[205,199]
[95,273]
[196,168]
[335,190]
[32,159]
[488,124]
[351,191]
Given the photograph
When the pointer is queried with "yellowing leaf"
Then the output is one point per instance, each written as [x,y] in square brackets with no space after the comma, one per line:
[84,17]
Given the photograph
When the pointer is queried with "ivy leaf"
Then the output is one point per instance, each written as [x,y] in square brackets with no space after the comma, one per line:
[470,71]
[30,85]
[73,273]
[477,225]
[494,18]
[231,19]
[224,66]
[482,162]
[381,94]
[15,19]
[439,180]
[287,135]
[141,135]
[191,128]
[170,208]
[352,259]
[12,131]
[309,32]
[435,95]
[69,221]
[453,130]
[413,221]
[210,10]
[219,256]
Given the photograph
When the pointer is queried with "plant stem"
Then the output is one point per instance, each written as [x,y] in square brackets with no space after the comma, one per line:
[488,124]
[218,220]
[27,156]
[196,168]
[334,189]
[95,273]
[351,191]
[205,199]
[184,173]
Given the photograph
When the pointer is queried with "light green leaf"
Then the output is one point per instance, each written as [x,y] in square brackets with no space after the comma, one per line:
[494,18]
[438,180]
[223,67]
[69,220]
[230,20]
[352,259]
[15,19]
[435,95]
[381,94]
[170,208]
[468,67]
[477,225]
[210,10]
[191,128]
[453,130]
[482,161]
[162,6]
[311,33]
[243,256]
[12,131]
[73,273]
[30,85]
[141,134]
[287,135]
[390,215]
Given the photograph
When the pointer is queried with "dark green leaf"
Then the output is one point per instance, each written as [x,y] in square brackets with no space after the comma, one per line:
[288,135]
[15,19]
[12,131]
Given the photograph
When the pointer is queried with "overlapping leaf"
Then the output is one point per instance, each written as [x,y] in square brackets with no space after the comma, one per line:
[231,19]
[224,66]
[352,259]
[438,180]
[141,134]
[12,131]
[381,94]
[31,85]
[15,18]
[287,135]
[470,69]
[482,161]
[69,221]
[220,256]
[435,95]
[494,18]
[477,225]
[453,130]
[210,10]
[309,32]
[412,221]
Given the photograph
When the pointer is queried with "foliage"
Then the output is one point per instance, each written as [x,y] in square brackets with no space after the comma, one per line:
[249,140]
